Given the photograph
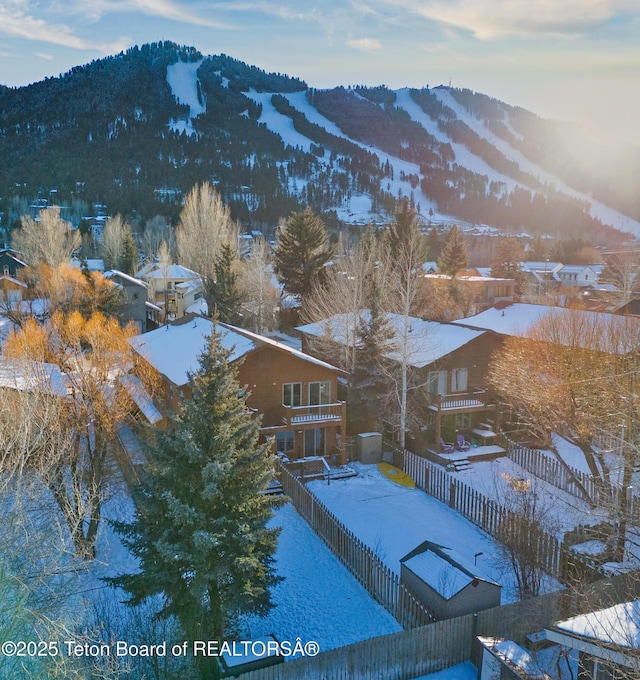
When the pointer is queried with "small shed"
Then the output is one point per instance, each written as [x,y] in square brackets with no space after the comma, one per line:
[444,585]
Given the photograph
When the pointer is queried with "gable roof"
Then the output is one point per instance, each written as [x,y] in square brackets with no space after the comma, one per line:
[617,626]
[519,319]
[437,567]
[173,350]
[117,274]
[154,270]
[429,341]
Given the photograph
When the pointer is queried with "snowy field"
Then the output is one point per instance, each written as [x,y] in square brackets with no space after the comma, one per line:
[318,600]
[393,520]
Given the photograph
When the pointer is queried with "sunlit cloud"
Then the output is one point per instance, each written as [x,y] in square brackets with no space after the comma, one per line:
[42,55]
[166,9]
[364,44]
[491,19]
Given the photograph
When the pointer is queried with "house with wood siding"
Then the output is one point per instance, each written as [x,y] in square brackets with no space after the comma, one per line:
[294,393]
[448,365]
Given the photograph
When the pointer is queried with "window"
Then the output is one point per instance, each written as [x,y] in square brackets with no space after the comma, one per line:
[292,394]
[6,270]
[319,392]
[437,382]
[459,380]
[463,421]
[285,441]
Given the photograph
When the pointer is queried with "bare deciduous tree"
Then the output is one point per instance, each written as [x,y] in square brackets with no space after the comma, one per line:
[205,226]
[47,239]
[93,355]
[256,288]
[577,374]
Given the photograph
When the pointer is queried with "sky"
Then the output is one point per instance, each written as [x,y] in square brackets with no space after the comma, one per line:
[569,59]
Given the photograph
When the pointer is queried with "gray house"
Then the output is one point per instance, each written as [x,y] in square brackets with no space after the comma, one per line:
[444,585]
[134,297]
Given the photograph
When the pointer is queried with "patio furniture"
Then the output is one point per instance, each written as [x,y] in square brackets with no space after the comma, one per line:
[446,447]
[461,443]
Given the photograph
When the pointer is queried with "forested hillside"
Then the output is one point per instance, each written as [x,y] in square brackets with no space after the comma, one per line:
[136,131]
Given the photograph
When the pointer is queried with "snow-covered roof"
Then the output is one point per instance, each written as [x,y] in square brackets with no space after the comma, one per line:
[542,266]
[618,625]
[141,397]
[515,657]
[116,273]
[574,269]
[441,575]
[428,341]
[29,376]
[155,270]
[440,569]
[519,319]
[173,350]
[93,264]
[263,340]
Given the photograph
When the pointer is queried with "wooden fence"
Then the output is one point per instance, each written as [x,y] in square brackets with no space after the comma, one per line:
[434,647]
[382,583]
[564,477]
[483,511]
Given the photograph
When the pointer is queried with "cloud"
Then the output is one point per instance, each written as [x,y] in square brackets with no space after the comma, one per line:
[491,19]
[364,44]
[166,9]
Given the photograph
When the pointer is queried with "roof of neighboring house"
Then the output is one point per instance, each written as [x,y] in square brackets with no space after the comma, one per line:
[617,626]
[93,264]
[519,319]
[25,375]
[428,342]
[155,270]
[13,254]
[117,274]
[514,657]
[575,269]
[542,266]
[437,567]
[141,397]
[173,350]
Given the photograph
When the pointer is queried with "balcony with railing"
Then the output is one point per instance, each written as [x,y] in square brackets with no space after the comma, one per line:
[475,399]
[318,414]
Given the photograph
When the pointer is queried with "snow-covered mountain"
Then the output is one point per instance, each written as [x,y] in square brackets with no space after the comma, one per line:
[136,131]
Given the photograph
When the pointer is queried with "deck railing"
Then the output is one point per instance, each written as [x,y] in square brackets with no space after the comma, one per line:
[476,397]
[318,413]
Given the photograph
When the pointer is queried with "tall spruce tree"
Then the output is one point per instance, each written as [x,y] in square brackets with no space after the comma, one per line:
[375,338]
[453,257]
[200,529]
[223,292]
[302,250]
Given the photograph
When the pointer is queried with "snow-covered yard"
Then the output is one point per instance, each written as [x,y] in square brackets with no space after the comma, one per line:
[318,600]
[563,510]
[393,520]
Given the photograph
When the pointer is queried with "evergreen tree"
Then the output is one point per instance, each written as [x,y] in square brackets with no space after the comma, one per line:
[128,260]
[200,529]
[434,243]
[507,262]
[453,257]
[404,232]
[223,292]
[374,338]
[302,250]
